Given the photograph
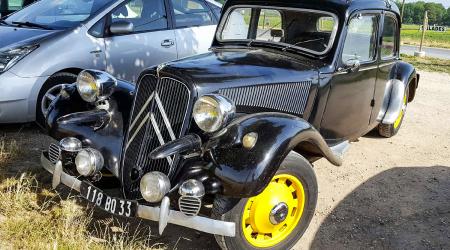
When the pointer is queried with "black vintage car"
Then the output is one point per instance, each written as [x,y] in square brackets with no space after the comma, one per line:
[236,129]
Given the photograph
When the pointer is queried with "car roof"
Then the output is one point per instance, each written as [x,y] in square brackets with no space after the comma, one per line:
[341,8]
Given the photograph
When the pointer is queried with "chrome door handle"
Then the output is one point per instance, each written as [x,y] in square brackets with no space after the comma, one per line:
[167,43]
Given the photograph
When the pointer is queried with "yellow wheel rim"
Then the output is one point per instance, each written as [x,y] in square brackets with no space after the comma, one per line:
[402,113]
[271,216]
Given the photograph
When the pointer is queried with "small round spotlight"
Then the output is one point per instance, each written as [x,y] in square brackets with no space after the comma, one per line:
[154,186]
[70,144]
[89,161]
[249,140]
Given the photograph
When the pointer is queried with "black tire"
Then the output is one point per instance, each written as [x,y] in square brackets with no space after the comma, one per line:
[58,78]
[390,130]
[231,209]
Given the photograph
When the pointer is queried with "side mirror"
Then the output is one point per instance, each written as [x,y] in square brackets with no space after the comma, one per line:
[277,33]
[121,27]
[352,65]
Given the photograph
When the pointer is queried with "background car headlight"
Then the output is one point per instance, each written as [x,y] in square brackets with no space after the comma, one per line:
[95,85]
[9,58]
[212,112]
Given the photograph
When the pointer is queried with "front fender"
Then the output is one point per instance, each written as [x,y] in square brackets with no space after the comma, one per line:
[245,173]
[101,129]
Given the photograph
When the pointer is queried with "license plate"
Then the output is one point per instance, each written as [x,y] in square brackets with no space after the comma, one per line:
[107,203]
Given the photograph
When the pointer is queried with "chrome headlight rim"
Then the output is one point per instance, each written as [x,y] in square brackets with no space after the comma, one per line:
[224,107]
[154,186]
[94,159]
[16,54]
[95,85]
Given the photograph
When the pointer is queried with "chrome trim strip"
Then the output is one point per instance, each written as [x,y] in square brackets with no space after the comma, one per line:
[163,113]
[386,64]
[141,111]
[159,135]
[199,223]
[137,130]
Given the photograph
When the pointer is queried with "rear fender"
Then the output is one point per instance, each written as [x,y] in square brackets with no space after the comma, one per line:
[402,77]
[246,172]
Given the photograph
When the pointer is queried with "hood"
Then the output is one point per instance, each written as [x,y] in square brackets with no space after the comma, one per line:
[16,36]
[233,68]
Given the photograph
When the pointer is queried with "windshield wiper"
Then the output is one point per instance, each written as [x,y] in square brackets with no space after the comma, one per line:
[4,22]
[33,25]
[295,44]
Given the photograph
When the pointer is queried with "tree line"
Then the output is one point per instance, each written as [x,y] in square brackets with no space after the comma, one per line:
[414,12]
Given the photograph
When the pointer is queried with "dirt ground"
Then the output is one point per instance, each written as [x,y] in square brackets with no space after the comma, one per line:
[390,193]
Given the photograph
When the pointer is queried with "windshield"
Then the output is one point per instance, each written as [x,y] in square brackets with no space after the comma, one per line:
[57,14]
[307,30]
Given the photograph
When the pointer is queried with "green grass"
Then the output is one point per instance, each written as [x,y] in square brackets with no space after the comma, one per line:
[428,63]
[32,216]
[410,34]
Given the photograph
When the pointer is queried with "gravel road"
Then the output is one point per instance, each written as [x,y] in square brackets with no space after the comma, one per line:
[390,193]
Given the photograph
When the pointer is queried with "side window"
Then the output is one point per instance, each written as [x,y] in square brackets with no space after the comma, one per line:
[14,5]
[325,24]
[145,15]
[360,43]
[191,13]
[390,37]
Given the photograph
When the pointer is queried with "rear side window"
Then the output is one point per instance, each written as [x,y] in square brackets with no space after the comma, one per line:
[190,13]
[389,39]
[360,43]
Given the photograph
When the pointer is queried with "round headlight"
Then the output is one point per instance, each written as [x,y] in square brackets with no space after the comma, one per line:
[94,85]
[212,112]
[154,186]
[89,161]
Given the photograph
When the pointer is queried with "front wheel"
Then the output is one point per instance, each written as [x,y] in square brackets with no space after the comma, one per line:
[276,218]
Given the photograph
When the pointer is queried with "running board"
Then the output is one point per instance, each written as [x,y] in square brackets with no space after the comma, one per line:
[340,149]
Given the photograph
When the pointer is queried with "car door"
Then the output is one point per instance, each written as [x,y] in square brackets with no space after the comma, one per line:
[152,41]
[349,104]
[389,54]
[195,26]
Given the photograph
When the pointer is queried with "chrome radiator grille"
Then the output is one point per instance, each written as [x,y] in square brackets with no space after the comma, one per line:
[158,116]
[290,97]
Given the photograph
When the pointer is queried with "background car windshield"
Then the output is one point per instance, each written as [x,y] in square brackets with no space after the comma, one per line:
[58,14]
[307,30]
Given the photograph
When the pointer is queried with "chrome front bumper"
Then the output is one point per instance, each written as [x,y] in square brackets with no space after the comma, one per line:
[161,214]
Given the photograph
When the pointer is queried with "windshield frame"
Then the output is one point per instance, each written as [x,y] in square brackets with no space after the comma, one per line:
[226,16]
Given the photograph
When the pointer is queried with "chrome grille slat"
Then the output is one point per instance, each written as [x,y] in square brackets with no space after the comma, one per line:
[54,153]
[158,116]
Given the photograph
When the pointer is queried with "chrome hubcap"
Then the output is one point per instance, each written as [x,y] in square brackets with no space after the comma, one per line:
[49,97]
[279,213]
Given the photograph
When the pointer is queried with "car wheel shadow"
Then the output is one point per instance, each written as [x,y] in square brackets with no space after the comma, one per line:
[400,208]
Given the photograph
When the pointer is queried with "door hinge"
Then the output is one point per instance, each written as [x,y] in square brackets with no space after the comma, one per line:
[372,103]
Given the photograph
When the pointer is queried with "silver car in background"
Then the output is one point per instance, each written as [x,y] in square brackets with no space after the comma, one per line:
[51,41]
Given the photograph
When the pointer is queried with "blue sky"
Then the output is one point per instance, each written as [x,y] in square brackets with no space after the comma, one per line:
[446,3]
